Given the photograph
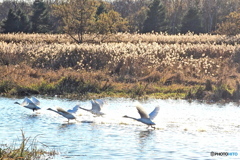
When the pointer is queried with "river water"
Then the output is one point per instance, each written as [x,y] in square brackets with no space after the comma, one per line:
[183,130]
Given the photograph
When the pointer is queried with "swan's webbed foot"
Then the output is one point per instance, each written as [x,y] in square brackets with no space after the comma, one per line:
[153,127]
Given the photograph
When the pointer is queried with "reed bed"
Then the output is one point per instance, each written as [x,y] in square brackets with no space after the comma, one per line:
[122,58]
[148,59]
[123,37]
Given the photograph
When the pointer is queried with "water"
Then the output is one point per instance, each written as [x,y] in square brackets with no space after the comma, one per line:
[183,131]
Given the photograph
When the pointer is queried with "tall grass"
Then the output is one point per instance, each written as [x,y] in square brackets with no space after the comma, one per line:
[123,37]
[121,58]
[28,149]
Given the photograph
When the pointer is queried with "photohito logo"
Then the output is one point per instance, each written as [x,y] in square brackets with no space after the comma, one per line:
[224,153]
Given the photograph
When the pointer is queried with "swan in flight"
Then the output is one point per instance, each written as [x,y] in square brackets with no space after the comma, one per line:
[96,107]
[145,118]
[74,110]
[63,113]
[30,104]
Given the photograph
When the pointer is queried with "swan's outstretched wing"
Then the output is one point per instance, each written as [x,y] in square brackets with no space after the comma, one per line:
[63,113]
[26,102]
[100,102]
[61,110]
[141,111]
[35,101]
[95,106]
[74,110]
[154,113]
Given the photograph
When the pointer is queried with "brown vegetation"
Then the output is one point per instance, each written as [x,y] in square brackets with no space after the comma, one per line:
[158,65]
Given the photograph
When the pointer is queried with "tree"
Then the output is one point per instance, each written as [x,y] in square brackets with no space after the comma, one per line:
[136,20]
[210,12]
[40,17]
[174,11]
[24,22]
[102,8]
[16,22]
[134,11]
[231,26]
[110,22]
[11,23]
[124,7]
[78,17]
[191,22]
[155,18]
[5,5]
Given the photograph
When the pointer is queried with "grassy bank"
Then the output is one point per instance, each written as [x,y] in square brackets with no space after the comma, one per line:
[125,65]
[28,149]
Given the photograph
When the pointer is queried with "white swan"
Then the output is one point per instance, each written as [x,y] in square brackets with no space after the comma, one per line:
[63,113]
[145,118]
[96,107]
[74,110]
[30,104]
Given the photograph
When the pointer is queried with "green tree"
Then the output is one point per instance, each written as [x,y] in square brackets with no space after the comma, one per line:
[40,17]
[155,18]
[102,8]
[11,24]
[16,22]
[24,22]
[191,22]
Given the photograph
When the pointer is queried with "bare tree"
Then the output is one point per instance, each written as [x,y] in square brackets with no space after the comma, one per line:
[77,17]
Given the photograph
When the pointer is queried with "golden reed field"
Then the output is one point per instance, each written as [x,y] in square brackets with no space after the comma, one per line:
[205,67]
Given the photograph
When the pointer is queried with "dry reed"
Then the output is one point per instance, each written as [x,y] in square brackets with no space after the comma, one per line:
[150,58]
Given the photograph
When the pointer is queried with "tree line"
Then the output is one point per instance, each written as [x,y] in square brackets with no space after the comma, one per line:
[77,17]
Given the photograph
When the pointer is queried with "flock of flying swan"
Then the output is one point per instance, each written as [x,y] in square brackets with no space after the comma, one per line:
[97,105]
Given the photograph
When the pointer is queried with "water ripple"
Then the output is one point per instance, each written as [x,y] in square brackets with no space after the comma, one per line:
[183,131]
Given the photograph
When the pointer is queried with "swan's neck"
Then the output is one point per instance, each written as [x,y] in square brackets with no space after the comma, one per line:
[85,109]
[54,111]
[131,118]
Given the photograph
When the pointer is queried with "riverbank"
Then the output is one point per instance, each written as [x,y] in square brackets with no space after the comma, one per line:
[203,67]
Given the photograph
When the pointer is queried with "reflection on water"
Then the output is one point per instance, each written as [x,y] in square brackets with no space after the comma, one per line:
[145,137]
[183,131]
[66,125]
[144,134]
[30,117]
